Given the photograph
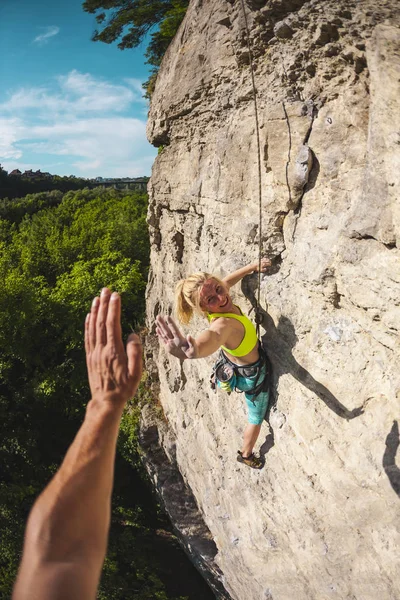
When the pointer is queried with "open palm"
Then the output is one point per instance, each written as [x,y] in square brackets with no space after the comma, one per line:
[175,342]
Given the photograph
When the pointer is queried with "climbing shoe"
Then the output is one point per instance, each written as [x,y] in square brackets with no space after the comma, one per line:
[251,461]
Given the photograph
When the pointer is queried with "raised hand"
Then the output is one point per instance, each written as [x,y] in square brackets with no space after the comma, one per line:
[114,374]
[265,264]
[175,342]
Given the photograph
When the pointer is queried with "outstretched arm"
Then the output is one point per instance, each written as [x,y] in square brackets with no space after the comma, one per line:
[66,534]
[236,276]
[206,343]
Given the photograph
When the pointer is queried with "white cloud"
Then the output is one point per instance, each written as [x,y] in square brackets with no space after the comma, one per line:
[10,131]
[76,93]
[88,121]
[10,166]
[35,98]
[137,85]
[96,95]
[43,38]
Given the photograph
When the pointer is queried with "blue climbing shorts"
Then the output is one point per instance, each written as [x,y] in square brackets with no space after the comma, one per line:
[256,405]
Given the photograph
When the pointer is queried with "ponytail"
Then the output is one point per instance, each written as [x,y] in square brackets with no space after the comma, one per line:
[187,297]
[183,310]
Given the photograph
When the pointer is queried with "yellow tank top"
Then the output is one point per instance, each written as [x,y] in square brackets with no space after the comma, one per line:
[249,340]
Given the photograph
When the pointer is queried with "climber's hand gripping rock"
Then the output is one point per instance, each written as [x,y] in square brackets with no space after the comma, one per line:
[265,265]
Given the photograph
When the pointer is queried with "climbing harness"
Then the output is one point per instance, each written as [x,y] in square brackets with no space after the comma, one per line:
[226,373]
[258,314]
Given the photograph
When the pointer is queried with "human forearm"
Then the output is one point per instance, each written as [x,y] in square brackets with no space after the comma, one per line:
[185,347]
[236,276]
[70,519]
[207,342]
[68,525]
[204,345]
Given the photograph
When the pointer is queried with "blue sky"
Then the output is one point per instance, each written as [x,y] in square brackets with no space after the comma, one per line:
[68,105]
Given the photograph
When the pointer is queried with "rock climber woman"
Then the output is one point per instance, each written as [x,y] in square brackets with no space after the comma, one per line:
[242,363]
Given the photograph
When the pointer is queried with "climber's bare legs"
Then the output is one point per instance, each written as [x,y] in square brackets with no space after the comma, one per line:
[250,436]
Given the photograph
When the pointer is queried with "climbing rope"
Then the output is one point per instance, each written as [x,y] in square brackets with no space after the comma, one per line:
[249,46]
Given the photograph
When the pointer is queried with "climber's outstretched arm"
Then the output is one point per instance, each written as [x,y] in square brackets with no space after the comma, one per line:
[206,343]
[236,276]
[66,534]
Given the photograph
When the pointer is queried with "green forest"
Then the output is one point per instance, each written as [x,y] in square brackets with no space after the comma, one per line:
[57,252]
[15,186]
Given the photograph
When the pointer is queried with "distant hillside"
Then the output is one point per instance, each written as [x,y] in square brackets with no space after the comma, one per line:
[17,184]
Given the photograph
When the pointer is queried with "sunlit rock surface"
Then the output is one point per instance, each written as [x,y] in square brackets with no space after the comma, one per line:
[321,520]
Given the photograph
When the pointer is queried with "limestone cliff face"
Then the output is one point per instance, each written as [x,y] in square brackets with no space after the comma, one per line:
[321,520]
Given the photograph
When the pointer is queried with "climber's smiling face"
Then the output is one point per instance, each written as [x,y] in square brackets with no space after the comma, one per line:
[214,297]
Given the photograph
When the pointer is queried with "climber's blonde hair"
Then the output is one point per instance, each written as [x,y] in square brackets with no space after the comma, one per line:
[187,296]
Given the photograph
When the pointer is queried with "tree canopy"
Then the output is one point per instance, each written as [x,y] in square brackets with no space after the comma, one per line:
[53,260]
[17,186]
[131,21]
